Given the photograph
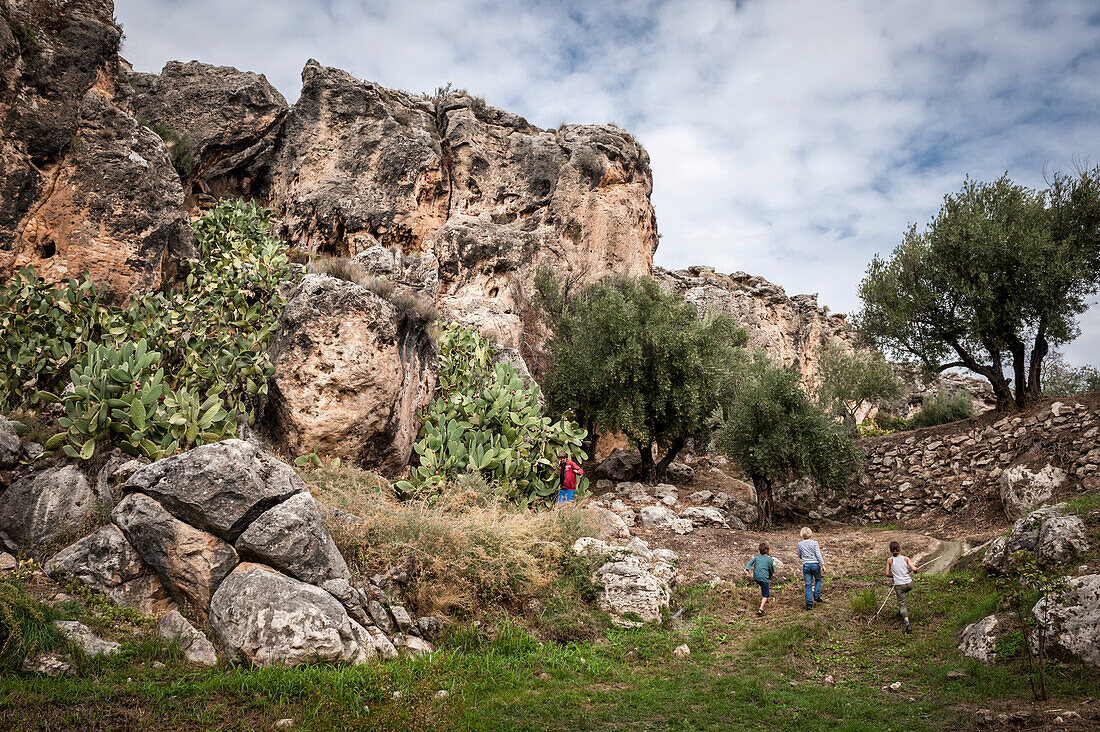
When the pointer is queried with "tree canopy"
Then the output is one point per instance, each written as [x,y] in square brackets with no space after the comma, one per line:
[1062,379]
[848,380]
[993,282]
[776,433]
[632,358]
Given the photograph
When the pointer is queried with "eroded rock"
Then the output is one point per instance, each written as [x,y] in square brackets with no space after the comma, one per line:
[1023,490]
[41,507]
[292,538]
[1073,620]
[196,647]
[979,640]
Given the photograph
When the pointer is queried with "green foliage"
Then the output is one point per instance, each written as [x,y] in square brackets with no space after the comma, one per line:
[943,407]
[27,38]
[999,264]
[776,433]
[847,380]
[1060,379]
[630,357]
[1025,584]
[26,626]
[487,419]
[864,602]
[213,331]
[178,145]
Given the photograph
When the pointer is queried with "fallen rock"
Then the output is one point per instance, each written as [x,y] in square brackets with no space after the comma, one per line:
[681,526]
[1061,540]
[292,538]
[11,446]
[1022,490]
[679,472]
[620,465]
[196,647]
[656,517]
[191,563]
[628,589]
[52,664]
[221,487]
[1073,620]
[41,507]
[701,497]
[410,645]
[608,524]
[351,369]
[743,510]
[106,562]
[995,559]
[266,618]
[430,627]
[681,651]
[90,643]
[979,641]
[704,516]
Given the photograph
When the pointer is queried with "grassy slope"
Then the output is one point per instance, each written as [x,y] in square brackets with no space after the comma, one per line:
[744,672]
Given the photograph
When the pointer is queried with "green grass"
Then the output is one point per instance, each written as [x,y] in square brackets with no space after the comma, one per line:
[744,672]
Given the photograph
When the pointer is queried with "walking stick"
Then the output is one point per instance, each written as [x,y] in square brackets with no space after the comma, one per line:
[888,596]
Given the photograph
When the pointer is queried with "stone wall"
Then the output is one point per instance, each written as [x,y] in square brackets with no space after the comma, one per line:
[960,467]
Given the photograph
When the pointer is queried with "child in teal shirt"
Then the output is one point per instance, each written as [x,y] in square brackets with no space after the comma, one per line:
[762,570]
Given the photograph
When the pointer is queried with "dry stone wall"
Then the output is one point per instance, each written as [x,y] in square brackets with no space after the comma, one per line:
[968,465]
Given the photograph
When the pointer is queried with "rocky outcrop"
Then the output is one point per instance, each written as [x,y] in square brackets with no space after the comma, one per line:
[106,562]
[1072,620]
[487,194]
[41,507]
[292,535]
[263,617]
[224,121]
[791,329]
[83,186]
[351,370]
[635,581]
[1023,490]
[11,447]
[1051,535]
[959,467]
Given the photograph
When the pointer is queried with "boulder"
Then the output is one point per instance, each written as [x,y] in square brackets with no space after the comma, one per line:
[1073,620]
[745,511]
[351,369]
[381,617]
[410,645]
[704,516]
[620,465]
[1025,533]
[629,589]
[995,559]
[191,563]
[41,507]
[266,618]
[84,188]
[220,488]
[196,647]
[665,493]
[701,497]
[608,524]
[106,562]
[656,517]
[979,640]
[87,641]
[1023,490]
[118,469]
[679,472]
[292,538]
[228,120]
[11,446]
[1061,540]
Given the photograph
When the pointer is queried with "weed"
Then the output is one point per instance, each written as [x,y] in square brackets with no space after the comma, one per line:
[864,602]
[27,38]
[26,626]
[415,308]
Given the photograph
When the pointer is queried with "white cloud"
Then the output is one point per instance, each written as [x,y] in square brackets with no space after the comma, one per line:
[789,138]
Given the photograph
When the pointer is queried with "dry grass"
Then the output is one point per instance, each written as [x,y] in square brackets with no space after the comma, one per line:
[474,551]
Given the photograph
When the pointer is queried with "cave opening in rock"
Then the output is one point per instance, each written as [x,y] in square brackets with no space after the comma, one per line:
[48,249]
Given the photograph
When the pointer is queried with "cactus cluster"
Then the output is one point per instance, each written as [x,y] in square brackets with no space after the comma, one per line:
[487,419]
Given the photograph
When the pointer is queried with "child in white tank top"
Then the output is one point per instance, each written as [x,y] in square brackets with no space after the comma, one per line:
[899,566]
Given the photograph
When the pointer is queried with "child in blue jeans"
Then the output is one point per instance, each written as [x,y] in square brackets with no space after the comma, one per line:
[813,566]
[762,570]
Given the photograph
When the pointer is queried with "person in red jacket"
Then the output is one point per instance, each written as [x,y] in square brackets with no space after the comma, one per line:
[568,474]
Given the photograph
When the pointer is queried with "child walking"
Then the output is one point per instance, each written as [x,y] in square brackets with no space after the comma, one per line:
[762,570]
[899,566]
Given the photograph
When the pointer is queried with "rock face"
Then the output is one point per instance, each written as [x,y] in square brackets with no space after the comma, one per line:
[1022,490]
[1073,621]
[486,193]
[264,617]
[1053,537]
[11,447]
[350,372]
[227,119]
[106,562]
[83,187]
[979,640]
[790,328]
[40,507]
[293,536]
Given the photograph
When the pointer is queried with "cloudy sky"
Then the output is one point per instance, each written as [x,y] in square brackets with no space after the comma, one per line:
[790,139]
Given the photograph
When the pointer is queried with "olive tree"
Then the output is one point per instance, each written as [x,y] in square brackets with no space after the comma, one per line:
[992,283]
[777,434]
[849,379]
[629,357]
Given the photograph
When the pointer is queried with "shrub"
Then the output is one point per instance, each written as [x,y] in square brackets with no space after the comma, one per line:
[474,550]
[415,308]
[341,268]
[864,602]
[26,626]
[178,145]
[943,407]
[487,419]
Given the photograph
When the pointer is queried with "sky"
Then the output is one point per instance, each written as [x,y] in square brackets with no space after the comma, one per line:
[788,139]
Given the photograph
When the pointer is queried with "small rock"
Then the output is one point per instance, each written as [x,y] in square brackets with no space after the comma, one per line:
[957,673]
[158,664]
[197,648]
[681,651]
[397,695]
[896,686]
[287,723]
[830,681]
[401,617]
[52,665]
[7,562]
[681,526]
[82,635]
[442,694]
